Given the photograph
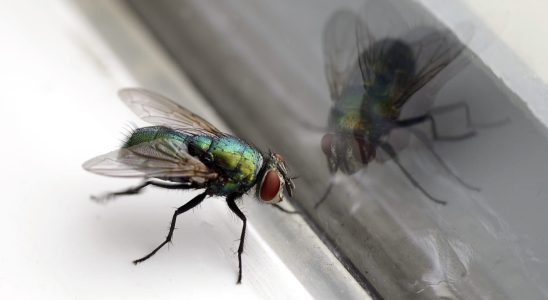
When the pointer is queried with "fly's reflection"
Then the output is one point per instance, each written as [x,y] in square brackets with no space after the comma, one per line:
[371,81]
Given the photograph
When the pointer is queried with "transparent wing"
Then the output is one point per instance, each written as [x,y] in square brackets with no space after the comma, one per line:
[353,45]
[344,38]
[434,50]
[159,110]
[433,46]
[159,158]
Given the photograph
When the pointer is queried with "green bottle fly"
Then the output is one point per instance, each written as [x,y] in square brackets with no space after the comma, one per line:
[184,151]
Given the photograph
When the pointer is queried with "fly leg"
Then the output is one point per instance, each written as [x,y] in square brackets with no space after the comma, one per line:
[424,140]
[390,151]
[189,205]
[137,189]
[230,200]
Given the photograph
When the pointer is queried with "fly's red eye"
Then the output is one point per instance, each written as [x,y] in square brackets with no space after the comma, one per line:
[270,186]
[326,142]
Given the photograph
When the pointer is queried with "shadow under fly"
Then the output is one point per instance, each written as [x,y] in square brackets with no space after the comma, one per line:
[372,78]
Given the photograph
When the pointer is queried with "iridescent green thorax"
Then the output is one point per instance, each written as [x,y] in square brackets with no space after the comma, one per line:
[237,162]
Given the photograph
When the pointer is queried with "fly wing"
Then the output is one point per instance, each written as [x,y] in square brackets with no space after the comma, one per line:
[344,38]
[159,110]
[158,158]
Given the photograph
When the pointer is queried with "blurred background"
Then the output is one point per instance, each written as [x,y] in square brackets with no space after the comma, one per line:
[266,72]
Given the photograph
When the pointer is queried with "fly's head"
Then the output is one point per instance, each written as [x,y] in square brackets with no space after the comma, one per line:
[275,179]
[347,152]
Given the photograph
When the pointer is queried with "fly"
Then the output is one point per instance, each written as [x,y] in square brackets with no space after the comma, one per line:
[184,151]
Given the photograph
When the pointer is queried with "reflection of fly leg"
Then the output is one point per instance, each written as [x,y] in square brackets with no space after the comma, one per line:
[469,123]
[435,135]
[390,151]
[137,189]
[424,140]
[429,117]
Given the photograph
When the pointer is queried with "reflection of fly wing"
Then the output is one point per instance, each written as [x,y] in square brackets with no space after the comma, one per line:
[434,50]
[366,33]
[159,158]
[438,58]
[348,34]
[159,110]
[434,47]
[343,38]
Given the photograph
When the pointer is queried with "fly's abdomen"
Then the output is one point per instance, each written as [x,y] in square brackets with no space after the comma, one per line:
[152,133]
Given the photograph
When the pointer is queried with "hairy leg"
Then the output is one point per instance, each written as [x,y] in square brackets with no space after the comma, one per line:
[231,201]
[189,205]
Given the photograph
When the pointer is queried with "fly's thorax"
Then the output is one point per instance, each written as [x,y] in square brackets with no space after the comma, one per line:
[237,162]
[199,144]
[274,180]
[352,121]
[347,113]
[378,111]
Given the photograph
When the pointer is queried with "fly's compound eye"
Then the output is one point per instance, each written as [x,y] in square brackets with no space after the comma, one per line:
[326,143]
[271,190]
